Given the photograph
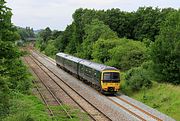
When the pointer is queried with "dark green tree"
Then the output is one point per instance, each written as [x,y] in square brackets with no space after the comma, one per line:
[148,22]
[7,37]
[101,47]
[95,30]
[13,74]
[46,34]
[26,33]
[127,54]
[119,21]
[64,40]
[165,51]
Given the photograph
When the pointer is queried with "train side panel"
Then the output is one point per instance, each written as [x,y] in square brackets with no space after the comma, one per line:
[71,66]
[89,74]
[60,61]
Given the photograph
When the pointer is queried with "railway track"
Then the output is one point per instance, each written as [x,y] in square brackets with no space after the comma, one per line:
[91,110]
[141,114]
[52,99]
[138,112]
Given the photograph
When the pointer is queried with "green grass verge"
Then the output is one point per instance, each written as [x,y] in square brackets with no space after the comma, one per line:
[163,97]
[26,108]
[30,108]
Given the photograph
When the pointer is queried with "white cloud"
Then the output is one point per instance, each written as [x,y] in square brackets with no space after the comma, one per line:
[58,13]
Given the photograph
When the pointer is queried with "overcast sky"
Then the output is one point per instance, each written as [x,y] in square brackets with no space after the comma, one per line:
[57,14]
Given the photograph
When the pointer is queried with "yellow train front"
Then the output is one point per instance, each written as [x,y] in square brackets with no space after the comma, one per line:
[99,76]
[110,80]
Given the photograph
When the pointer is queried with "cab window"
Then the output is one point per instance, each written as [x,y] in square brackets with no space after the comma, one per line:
[110,76]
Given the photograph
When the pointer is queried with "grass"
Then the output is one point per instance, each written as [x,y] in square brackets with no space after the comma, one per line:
[163,97]
[30,108]
[26,108]
[75,114]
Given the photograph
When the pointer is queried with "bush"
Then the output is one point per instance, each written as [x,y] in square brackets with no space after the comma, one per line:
[20,117]
[127,54]
[20,78]
[165,51]
[50,49]
[136,79]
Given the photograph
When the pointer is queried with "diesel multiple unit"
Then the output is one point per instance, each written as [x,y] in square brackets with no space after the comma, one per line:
[103,77]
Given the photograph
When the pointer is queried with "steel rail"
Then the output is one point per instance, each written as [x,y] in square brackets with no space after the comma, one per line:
[145,112]
[136,107]
[42,97]
[56,99]
[70,88]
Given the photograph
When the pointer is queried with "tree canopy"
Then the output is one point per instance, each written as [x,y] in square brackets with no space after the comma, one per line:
[123,39]
[165,51]
[13,73]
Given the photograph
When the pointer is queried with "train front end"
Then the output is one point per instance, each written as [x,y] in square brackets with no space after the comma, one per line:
[110,81]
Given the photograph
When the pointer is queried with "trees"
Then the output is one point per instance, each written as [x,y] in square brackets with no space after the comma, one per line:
[46,34]
[50,49]
[165,50]
[148,22]
[95,30]
[101,49]
[127,54]
[6,41]
[13,74]
[25,32]
[119,21]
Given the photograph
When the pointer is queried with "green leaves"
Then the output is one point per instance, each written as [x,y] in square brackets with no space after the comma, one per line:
[136,79]
[13,74]
[127,54]
[95,30]
[164,51]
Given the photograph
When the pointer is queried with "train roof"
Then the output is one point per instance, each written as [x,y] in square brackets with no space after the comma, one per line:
[69,57]
[96,66]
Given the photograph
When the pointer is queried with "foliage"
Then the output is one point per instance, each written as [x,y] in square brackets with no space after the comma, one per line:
[45,34]
[14,75]
[87,26]
[26,108]
[20,77]
[127,54]
[136,79]
[165,52]
[95,30]
[148,21]
[101,49]
[67,37]
[4,91]
[50,49]
[25,33]
[161,96]
[119,21]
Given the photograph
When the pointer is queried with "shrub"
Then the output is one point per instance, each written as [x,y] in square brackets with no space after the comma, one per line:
[165,51]
[20,117]
[136,79]
[127,54]
[50,49]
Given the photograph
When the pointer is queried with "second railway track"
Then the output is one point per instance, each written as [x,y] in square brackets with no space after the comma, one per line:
[91,110]
[52,99]
[96,114]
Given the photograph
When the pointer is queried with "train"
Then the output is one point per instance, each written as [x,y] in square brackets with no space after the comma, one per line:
[104,78]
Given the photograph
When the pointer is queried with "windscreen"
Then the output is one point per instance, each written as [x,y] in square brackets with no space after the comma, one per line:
[111,76]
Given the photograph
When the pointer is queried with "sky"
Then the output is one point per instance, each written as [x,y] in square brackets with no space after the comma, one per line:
[57,14]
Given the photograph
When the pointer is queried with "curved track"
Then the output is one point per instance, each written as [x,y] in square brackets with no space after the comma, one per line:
[87,106]
[54,99]
[126,105]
